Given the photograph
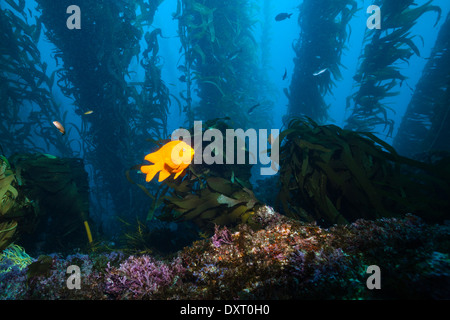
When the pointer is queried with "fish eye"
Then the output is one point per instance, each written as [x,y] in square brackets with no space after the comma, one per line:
[184,150]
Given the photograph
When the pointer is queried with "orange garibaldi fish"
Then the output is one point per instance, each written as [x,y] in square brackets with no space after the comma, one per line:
[173,157]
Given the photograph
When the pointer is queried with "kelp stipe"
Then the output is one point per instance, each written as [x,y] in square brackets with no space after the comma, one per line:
[220,57]
[124,113]
[28,106]
[379,74]
[430,103]
[318,51]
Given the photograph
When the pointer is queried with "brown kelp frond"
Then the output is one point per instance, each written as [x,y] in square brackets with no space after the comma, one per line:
[221,60]
[124,113]
[8,196]
[430,103]
[26,87]
[331,175]
[379,72]
[318,53]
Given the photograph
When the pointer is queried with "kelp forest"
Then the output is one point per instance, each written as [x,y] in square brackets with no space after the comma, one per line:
[77,121]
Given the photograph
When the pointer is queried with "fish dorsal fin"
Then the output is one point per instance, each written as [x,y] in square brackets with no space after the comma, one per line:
[153,157]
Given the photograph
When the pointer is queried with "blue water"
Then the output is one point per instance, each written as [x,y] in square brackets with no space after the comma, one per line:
[283,34]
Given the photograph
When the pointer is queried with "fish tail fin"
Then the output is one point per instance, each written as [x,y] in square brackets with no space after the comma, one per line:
[289,15]
[151,171]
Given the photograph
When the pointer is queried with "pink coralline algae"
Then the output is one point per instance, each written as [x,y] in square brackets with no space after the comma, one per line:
[142,277]
[270,257]
[221,236]
[47,277]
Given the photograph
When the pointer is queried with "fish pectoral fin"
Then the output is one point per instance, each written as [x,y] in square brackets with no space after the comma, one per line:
[163,175]
[178,174]
[151,171]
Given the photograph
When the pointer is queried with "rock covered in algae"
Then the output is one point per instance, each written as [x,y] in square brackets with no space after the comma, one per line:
[271,257]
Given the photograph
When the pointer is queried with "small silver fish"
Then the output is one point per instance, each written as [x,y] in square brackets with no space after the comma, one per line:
[253,108]
[319,72]
[59,126]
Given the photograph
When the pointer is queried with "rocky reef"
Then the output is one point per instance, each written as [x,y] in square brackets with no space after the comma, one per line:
[271,257]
